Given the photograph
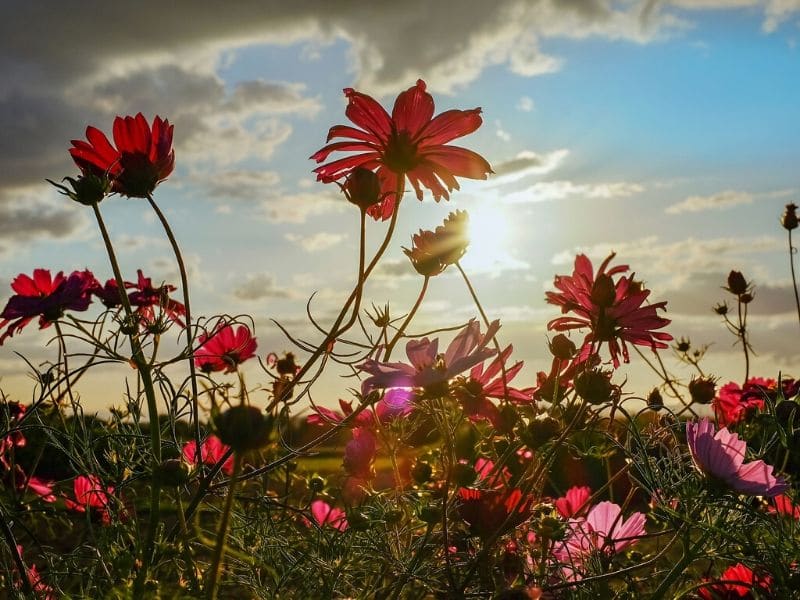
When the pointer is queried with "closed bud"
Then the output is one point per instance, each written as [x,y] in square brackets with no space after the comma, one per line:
[746,298]
[603,291]
[87,189]
[721,309]
[362,187]
[683,346]
[540,431]
[562,347]
[316,483]
[737,284]
[702,390]
[595,386]
[654,400]
[789,218]
[421,472]
[173,472]
[243,428]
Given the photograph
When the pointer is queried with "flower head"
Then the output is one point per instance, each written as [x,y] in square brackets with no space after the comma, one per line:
[603,530]
[737,582]
[224,349]
[574,501]
[145,297]
[720,456]
[143,156]
[734,404]
[429,369]
[433,251]
[614,312]
[91,495]
[211,451]
[46,297]
[325,514]
[410,143]
[489,511]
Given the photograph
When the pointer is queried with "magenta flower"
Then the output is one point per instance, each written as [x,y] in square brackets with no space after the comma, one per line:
[145,298]
[45,297]
[603,530]
[91,495]
[224,349]
[720,456]
[734,404]
[325,514]
[574,502]
[211,451]
[429,369]
[738,581]
[614,312]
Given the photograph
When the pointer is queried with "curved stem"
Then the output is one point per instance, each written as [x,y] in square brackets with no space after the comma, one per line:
[15,553]
[792,251]
[219,549]
[189,334]
[143,369]
[62,350]
[402,329]
[742,331]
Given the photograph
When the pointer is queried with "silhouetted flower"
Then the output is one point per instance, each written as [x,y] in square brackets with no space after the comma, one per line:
[720,456]
[614,313]
[143,156]
[789,218]
[492,511]
[224,349]
[45,297]
[145,298]
[409,143]
[432,252]
[86,189]
[737,583]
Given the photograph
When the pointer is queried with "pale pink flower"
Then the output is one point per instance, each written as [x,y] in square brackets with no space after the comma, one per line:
[574,501]
[325,514]
[603,530]
[721,455]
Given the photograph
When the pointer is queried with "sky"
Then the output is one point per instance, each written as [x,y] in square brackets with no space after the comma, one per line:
[666,131]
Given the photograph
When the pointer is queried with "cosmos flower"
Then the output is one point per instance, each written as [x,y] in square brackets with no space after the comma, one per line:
[359,454]
[490,511]
[734,404]
[325,514]
[737,582]
[92,496]
[45,297]
[614,312]
[224,349]
[720,456]
[145,298]
[429,369]
[143,156]
[603,530]
[410,143]
[574,501]
[37,583]
[211,451]
[783,505]
[432,252]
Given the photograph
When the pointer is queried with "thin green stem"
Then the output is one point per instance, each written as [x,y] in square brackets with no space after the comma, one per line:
[792,251]
[222,535]
[189,333]
[742,331]
[402,329]
[15,553]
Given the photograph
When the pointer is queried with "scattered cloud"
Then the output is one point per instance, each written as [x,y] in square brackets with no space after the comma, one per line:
[245,185]
[501,132]
[525,104]
[717,201]
[258,286]
[298,208]
[527,163]
[544,191]
[316,242]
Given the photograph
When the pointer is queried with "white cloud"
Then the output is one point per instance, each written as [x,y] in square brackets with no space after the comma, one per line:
[501,132]
[717,201]
[258,286]
[525,104]
[527,163]
[544,191]
[316,242]
[297,208]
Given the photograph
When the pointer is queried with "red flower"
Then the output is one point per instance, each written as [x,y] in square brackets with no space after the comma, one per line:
[409,143]
[612,311]
[734,404]
[211,451]
[574,502]
[145,297]
[45,297]
[783,505]
[142,159]
[487,511]
[91,495]
[737,583]
[224,349]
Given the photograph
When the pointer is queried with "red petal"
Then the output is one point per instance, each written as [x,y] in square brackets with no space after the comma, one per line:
[450,125]
[339,168]
[413,109]
[323,153]
[365,112]
[459,161]
[345,131]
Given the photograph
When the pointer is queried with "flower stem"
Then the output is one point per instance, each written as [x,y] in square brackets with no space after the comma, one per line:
[143,369]
[792,251]
[742,331]
[402,329]
[219,549]
[189,334]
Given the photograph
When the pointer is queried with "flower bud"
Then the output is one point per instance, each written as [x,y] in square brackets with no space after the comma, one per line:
[603,291]
[721,309]
[683,345]
[562,347]
[243,428]
[655,401]
[595,386]
[746,298]
[421,472]
[316,483]
[540,431]
[173,472]
[737,284]
[87,189]
[362,187]
[702,390]
[789,218]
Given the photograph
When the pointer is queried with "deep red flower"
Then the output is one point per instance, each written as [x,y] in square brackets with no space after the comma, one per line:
[90,494]
[614,312]
[574,502]
[143,156]
[45,297]
[410,142]
[488,511]
[783,505]
[211,451]
[145,297]
[737,583]
[734,404]
[224,349]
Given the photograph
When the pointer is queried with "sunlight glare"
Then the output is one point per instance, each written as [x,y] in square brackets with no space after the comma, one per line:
[489,233]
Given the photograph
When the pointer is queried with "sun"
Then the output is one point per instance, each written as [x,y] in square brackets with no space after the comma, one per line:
[489,233]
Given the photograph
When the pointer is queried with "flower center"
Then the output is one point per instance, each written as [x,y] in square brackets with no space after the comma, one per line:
[401,153]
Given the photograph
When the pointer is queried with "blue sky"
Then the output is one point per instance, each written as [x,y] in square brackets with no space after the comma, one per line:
[666,133]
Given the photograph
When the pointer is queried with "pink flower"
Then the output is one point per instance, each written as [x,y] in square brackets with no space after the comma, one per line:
[325,416]
[40,487]
[614,312]
[720,456]
[37,583]
[325,514]
[489,474]
[734,404]
[10,414]
[737,582]
[574,501]
[91,495]
[45,297]
[359,453]
[410,143]
[603,530]
[224,349]
[429,369]
[211,451]
[146,297]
